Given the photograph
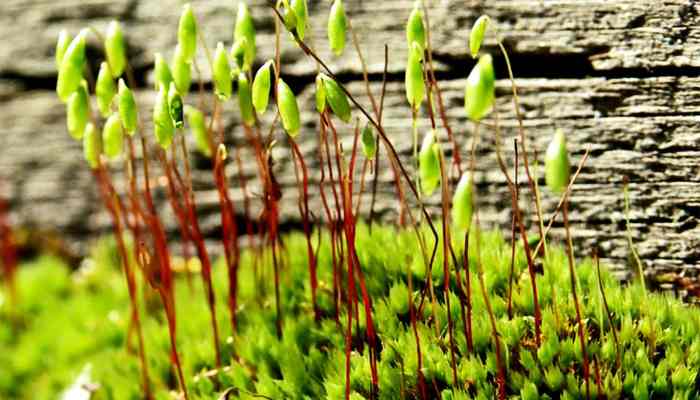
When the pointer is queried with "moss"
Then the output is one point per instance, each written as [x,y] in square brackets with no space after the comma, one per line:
[67,321]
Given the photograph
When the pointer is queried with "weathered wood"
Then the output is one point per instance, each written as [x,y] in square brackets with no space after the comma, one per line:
[617,76]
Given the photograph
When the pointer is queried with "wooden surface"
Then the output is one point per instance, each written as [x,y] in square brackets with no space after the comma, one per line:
[618,76]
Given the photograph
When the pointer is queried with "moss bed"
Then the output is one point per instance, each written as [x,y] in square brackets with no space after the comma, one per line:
[72,326]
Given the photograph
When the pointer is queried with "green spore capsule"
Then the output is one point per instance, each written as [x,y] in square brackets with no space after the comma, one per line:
[127,108]
[337,27]
[301,10]
[70,73]
[115,48]
[195,119]
[415,29]
[261,87]
[113,137]
[62,44]
[415,85]
[105,90]
[556,164]
[479,93]
[161,73]
[222,73]
[429,163]
[77,112]
[369,142]
[245,100]
[288,109]
[163,124]
[336,98]
[238,54]
[92,146]
[476,36]
[187,32]
[290,19]
[176,107]
[320,94]
[245,29]
[182,74]
[462,203]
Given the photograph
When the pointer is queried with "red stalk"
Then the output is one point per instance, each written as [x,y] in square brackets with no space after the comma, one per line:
[9,253]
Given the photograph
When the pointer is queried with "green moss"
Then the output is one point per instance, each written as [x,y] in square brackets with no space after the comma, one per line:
[66,321]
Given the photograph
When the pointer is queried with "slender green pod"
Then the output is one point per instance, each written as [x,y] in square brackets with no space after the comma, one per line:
[479,94]
[415,85]
[336,98]
[288,109]
[187,32]
[128,112]
[429,163]
[163,124]
[62,44]
[289,17]
[222,73]
[195,119]
[556,164]
[105,90]
[337,27]
[261,87]
[245,100]
[476,36]
[70,73]
[182,72]
[162,74]
[301,10]
[78,112]
[92,146]
[369,142]
[462,203]
[320,94]
[176,107]
[245,29]
[113,137]
[415,29]
[239,55]
[115,48]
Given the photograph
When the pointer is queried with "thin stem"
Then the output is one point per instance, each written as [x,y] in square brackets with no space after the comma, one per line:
[628,229]
[618,361]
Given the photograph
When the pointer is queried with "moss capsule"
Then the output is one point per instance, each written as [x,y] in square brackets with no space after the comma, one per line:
[62,44]
[479,93]
[222,73]
[187,32]
[301,11]
[415,85]
[70,73]
[77,112]
[336,98]
[113,136]
[105,90]
[195,119]
[320,94]
[163,124]
[261,87]
[288,109]
[476,36]
[415,29]
[245,29]
[337,27]
[127,108]
[92,146]
[115,48]
[556,164]
[429,163]
[462,203]
[181,69]
[245,100]
[162,74]
[369,142]
[176,107]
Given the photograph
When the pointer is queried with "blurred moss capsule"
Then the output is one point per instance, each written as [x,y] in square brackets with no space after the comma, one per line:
[369,142]
[187,32]
[115,48]
[479,93]
[462,203]
[429,163]
[290,19]
[162,74]
[261,87]
[245,29]
[476,36]
[415,30]
[195,119]
[320,94]
[163,124]
[245,100]
[337,26]
[62,44]
[222,73]
[70,72]
[127,108]
[113,136]
[556,163]
[78,112]
[92,146]
[288,109]
[175,107]
[415,86]
[238,55]
[181,69]
[336,98]
[301,11]
[105,89]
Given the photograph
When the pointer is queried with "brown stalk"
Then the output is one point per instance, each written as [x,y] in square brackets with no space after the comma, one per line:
[512,234]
